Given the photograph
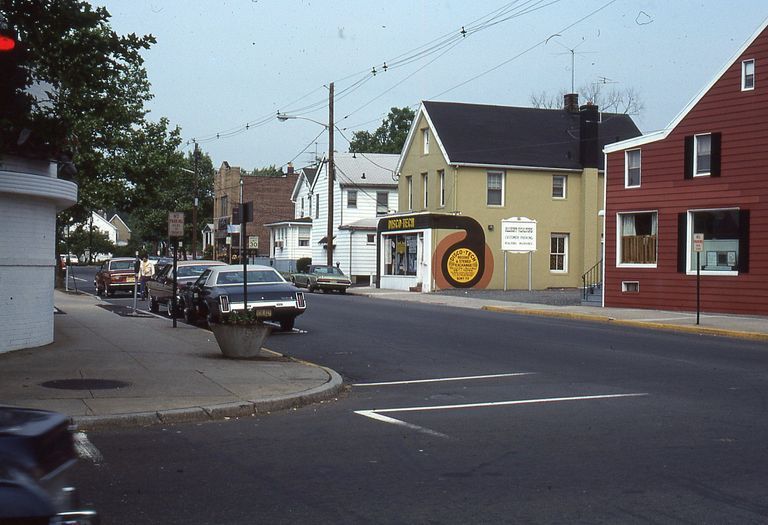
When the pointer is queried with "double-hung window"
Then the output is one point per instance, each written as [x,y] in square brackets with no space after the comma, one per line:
[637,238]
[748,75]
[558,253]
[495,188]
[425,188]
[559,183]
[317,206]
[425,140]
[702,156]
[409,189]
[441,177]
[351,198]
[632,168]
[382,202]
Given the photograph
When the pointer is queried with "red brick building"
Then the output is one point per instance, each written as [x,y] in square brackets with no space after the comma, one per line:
[704,177]
[271,197]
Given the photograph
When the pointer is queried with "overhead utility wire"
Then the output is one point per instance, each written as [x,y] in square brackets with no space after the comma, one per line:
[260,121]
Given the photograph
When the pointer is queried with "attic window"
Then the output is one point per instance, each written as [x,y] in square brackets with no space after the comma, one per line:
[425,139]
[748,75]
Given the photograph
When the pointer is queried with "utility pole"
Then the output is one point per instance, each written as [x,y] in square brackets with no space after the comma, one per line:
[331,174]
[194,208]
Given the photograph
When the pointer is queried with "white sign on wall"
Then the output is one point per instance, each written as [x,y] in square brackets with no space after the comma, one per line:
[518,234]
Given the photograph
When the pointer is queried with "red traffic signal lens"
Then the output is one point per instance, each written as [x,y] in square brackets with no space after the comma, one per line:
[7,43]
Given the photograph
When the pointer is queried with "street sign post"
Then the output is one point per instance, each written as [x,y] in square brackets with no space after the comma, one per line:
[518,235]
[698,247]
[175,224]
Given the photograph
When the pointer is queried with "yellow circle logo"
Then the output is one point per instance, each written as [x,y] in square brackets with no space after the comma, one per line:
[463,265]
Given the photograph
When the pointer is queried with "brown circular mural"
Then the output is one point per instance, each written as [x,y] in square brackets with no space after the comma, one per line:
[462,264]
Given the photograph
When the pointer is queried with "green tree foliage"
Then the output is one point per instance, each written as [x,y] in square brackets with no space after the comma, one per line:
[174,190]
[269,171]
[82,239]
[389,137]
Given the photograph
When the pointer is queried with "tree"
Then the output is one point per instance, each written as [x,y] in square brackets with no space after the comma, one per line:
[624,101]
[269,171]
[389,137]
[80,240]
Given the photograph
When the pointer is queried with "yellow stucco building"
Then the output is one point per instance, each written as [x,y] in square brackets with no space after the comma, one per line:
[465,168]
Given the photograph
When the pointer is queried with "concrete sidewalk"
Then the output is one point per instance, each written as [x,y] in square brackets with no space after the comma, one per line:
[126,371]
[745,327]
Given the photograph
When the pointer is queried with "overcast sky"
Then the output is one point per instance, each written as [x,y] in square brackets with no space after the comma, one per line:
[219,66]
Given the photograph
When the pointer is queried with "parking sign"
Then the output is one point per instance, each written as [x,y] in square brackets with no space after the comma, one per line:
[175,224]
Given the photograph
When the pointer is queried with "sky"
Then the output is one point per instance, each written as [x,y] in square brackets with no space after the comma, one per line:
[222,69]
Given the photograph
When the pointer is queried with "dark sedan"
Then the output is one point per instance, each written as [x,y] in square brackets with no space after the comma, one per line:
[161,286]
[219,290]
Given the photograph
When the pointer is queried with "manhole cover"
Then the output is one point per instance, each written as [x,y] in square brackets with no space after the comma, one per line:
[85,384]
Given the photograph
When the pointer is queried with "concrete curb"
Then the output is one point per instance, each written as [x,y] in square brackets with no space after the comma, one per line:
[214,412]
[701,330]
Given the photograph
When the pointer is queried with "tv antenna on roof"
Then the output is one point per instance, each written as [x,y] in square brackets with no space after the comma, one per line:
[572,51]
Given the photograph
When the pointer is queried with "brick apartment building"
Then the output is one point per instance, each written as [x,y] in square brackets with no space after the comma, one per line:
[271,197]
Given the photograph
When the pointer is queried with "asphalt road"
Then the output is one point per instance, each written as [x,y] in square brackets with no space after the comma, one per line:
[522,420]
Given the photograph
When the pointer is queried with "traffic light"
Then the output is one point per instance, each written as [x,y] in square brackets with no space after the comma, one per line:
[14,100]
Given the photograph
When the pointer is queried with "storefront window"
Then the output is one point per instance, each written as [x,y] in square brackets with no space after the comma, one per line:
[400,254]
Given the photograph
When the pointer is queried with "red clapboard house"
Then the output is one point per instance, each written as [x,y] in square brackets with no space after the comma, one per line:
[707,173]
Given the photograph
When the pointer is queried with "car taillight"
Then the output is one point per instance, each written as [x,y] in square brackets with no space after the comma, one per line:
[224,303]
[300,300]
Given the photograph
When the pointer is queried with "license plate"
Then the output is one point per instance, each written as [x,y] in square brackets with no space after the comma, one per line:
[262,312]
[130,279]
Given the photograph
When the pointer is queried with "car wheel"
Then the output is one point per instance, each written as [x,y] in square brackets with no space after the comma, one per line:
[343,290]
[190,316]
[110,292]
[286,325]
[310,288]
[153,306]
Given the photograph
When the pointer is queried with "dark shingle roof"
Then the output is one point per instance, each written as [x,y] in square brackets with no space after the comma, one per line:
[309,173]
[512,136]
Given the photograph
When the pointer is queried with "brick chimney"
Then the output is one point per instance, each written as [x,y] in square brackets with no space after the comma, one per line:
[290,168]
[589,146]
[571,102]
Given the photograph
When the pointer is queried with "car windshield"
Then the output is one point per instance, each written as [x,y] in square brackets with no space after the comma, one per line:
[191,271]
[328,270]
[121,265]
[254,276]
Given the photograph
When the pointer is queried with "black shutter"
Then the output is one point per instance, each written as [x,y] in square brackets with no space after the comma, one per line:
[743,241]
[689,157]
[714,159]
[682,241]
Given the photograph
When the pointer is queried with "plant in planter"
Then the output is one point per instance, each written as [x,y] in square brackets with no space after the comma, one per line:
[241,333]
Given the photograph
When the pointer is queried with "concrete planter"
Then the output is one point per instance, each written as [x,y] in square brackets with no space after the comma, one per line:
[240,341]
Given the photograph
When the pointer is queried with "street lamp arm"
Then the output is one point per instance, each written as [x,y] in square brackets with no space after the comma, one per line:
[282,117]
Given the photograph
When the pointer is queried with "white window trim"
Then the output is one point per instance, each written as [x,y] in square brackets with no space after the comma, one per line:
[425,140]
[441,176]
[626,284]
[690,254]
[409,185]
[503,187]
[565,187]
[620,264]
[565,236]
[425,189]
[696,154]
[744,64]
[626,168]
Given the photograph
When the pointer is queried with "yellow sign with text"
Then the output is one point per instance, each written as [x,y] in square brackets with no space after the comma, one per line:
[401,223]
[463,265]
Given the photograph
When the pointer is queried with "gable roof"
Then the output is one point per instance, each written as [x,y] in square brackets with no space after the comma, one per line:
[305,175]
[366,169]
[511,137]
[117,217]
[660,135]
